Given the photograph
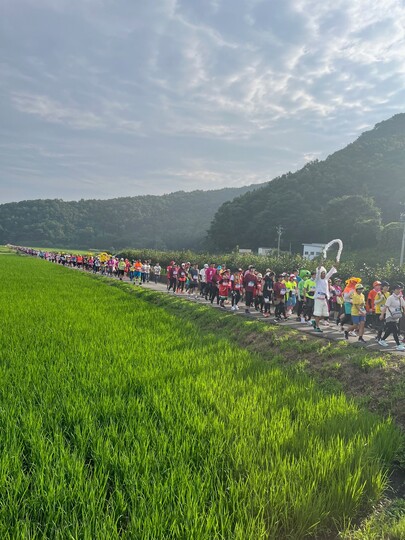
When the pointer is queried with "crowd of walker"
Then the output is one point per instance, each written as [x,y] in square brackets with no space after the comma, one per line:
[314,298]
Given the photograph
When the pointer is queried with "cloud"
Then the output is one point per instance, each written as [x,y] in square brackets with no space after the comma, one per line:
[143,96]
[53,111]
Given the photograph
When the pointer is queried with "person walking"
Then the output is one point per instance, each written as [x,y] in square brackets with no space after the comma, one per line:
[121,268]
[393,311]
[209,273]
[236,288]
[348,291]
[309,297]
[371,314]
[181,278]
[147,271]
[193,275]
[258,296]
[359,313]
[280,292]
[224,285]
[172,277]
[268,284]
[249,285]
[379,303]
[157,270]
[322,294]
[214,292]
[203,279]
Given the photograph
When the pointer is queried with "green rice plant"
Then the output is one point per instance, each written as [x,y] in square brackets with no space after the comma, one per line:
[121,420]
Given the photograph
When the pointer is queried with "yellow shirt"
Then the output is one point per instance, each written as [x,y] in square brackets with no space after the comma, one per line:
[380,300]
[290,286]
[358,302]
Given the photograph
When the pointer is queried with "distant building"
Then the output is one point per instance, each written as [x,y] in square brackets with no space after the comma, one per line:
[265,252]
[245,251]
[310,251]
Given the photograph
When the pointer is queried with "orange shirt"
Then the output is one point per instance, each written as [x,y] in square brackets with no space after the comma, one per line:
[370,300]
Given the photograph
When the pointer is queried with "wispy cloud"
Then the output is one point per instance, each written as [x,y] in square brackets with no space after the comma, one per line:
[56,112]
[51,111]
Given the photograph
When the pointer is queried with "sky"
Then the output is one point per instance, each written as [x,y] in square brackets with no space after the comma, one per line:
[111,98]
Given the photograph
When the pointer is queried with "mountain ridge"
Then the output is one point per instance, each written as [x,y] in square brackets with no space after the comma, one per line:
[176,220]
[368,172]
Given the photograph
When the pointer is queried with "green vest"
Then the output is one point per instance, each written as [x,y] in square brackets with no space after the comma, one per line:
[310,286]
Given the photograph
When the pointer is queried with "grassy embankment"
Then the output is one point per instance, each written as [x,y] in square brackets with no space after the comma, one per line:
[121,419]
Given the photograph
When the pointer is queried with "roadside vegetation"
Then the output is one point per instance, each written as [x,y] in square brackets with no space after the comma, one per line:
[122,416]
[362,263]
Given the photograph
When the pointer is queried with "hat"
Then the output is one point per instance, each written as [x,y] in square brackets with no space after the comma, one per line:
[259,276]
[292,275]
[337,279]
[205,265]
[268,270]
[359,287]
[353,280]
[385,284]
[219,267]
[399,285]
[376,283]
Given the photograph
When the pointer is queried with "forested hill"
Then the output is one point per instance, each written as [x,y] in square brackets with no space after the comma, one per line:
[350,195]
[175,221]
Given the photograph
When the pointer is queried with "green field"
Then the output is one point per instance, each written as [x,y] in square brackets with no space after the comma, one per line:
[119,420]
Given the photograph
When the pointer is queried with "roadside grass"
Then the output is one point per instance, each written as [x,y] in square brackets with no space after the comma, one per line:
[362,373]
[386,523]
[128,414]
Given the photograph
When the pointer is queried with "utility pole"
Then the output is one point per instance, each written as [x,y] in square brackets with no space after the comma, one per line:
[279,233]
[401,260]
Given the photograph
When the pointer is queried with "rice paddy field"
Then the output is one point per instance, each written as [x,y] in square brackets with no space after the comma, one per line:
[119,420]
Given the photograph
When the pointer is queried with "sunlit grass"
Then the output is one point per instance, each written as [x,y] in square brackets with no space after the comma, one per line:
[118,420]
